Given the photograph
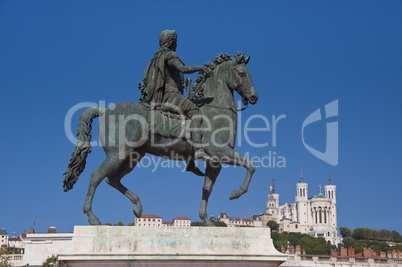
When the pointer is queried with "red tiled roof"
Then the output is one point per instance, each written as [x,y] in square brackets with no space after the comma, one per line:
[166,222]
[150,216]
[181,218]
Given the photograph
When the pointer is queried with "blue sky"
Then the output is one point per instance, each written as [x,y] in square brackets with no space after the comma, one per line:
[304,55]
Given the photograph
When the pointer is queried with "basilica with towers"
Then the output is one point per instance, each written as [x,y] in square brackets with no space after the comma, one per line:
[310,215]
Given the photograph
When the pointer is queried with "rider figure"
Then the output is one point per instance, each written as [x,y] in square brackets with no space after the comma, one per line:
[163,84]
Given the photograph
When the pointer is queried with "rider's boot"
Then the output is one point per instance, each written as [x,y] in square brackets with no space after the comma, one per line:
[199,153]
[191,167]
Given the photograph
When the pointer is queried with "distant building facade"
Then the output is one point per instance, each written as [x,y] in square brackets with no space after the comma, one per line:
[181,222]
[15,242]
[315,215]
[156,221]
[4,238]
[233,222]
[148,221]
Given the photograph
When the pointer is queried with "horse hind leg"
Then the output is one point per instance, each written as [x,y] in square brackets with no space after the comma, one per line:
[211,173]
[114,180]
[109,166]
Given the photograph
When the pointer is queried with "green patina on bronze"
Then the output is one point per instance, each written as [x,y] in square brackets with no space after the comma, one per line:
[163,102]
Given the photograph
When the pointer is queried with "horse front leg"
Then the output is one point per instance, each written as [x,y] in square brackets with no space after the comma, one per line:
[232,157]
[211,173]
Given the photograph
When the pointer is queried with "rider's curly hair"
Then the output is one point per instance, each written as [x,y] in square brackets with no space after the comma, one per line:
[167,37]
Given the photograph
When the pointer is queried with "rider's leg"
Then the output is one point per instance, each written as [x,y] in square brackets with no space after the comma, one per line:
[196,136]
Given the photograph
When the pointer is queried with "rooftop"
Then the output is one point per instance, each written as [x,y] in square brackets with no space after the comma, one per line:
[181,218]
[151,216]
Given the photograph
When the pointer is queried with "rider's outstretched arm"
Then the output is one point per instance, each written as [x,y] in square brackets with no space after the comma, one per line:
[186,69]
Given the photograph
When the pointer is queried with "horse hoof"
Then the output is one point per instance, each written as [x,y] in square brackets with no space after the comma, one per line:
[235,195]
[137,211]
[94,221]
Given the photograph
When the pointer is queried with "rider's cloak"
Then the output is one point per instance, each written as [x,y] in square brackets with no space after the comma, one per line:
[153,87]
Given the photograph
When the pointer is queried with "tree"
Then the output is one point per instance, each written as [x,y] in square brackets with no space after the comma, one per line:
[4,258]
[358,233]
[395,236]
[384,235]
[345,232]
[119,224]
[197,224]
[273,225]
[220,224]
[51,261]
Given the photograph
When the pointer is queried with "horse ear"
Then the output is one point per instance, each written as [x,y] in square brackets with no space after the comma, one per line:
[247,59]
[239,58]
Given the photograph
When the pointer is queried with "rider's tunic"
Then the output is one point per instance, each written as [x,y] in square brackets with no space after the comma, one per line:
[163,84]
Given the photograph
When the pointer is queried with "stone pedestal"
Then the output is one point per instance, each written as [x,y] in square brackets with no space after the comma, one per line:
[197,246]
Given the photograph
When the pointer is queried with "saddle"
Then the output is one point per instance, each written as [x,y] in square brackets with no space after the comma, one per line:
[163,121]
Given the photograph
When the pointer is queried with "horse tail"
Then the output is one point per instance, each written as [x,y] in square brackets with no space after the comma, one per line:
[82,148]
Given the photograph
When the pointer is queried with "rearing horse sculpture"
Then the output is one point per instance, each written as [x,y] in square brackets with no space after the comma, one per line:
[127,128]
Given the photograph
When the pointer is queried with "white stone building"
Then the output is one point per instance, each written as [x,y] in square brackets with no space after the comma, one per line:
[315,215]
[233,222]
[40,246]
[156,221]
[148,221]
[181,222]
[4,238]
[15,242]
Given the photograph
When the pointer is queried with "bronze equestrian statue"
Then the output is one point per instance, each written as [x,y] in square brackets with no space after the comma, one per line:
[163,125]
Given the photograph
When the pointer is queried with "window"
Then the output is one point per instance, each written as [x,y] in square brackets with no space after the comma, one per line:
[316,216]
[296,226]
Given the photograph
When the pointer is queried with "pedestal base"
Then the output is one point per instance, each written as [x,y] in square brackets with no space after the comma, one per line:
[197,246]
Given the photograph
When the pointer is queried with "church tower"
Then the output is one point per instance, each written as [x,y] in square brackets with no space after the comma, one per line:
[273,202]
[301,202]
[330,192]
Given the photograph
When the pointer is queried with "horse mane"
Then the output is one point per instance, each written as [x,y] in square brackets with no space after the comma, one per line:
[199,83]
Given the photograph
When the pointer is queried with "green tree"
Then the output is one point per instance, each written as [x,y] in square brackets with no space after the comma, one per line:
[220,224]
[358,233]
[51,261]
[395,236]
[109,224]
[197,224]
[345,232]
[4,258]
[384,235]
[119,224]
[274,226]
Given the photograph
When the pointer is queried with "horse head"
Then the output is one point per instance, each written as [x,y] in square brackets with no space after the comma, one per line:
[230,72]
[240,81]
